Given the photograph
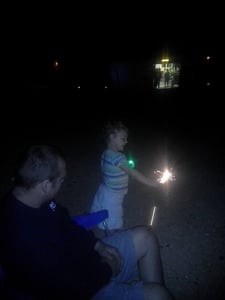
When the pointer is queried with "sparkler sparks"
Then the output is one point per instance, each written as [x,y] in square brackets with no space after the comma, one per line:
[164,176]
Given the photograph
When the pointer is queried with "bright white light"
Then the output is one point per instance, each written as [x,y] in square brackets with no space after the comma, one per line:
[153,214]
[164,176]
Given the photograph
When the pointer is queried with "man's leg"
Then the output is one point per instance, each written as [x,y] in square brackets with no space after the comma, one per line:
[148,254]
[137,245]
[150,266]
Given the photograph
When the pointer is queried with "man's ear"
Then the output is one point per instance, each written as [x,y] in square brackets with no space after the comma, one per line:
[46,186]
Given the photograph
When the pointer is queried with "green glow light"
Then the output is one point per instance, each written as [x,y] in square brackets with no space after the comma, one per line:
[131,163]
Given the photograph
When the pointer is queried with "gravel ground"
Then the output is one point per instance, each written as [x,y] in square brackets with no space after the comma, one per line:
[190,212]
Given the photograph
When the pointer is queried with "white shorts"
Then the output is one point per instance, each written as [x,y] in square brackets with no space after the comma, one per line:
[113,202]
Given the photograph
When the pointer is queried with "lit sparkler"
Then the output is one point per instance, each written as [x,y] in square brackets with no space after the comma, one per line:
[164,176]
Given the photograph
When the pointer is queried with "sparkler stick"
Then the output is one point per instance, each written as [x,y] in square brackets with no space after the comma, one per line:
[153,214]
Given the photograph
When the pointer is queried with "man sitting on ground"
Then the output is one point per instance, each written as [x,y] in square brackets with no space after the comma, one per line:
[48,256]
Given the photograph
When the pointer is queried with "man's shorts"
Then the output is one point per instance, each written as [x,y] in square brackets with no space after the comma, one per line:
[126,285]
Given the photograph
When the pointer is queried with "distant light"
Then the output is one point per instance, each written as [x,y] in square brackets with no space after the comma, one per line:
[208,57]
[105,87]
[56,64]
[165,60]
[78,87]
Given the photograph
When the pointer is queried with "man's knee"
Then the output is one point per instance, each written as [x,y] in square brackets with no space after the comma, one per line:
[145,234]
[144,238]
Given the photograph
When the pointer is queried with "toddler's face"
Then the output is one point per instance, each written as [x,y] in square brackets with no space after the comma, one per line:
[119,139]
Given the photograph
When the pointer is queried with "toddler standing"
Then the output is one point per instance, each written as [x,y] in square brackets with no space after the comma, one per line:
[115,175]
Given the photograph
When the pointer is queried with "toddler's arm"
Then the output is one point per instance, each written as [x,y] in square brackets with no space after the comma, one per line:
[139,176]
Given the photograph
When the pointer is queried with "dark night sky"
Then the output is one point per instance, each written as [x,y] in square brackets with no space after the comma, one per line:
[97,36]
[109,32]
[94,35]
[91,37]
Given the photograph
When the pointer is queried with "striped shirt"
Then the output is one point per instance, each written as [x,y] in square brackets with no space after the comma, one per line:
[113,176]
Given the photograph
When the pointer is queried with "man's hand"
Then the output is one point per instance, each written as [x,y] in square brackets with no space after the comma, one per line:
[109,255]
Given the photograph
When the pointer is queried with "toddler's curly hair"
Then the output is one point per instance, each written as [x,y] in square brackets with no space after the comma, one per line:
[113,127]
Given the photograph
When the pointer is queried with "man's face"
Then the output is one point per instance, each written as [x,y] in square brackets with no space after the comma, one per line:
[57,183]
